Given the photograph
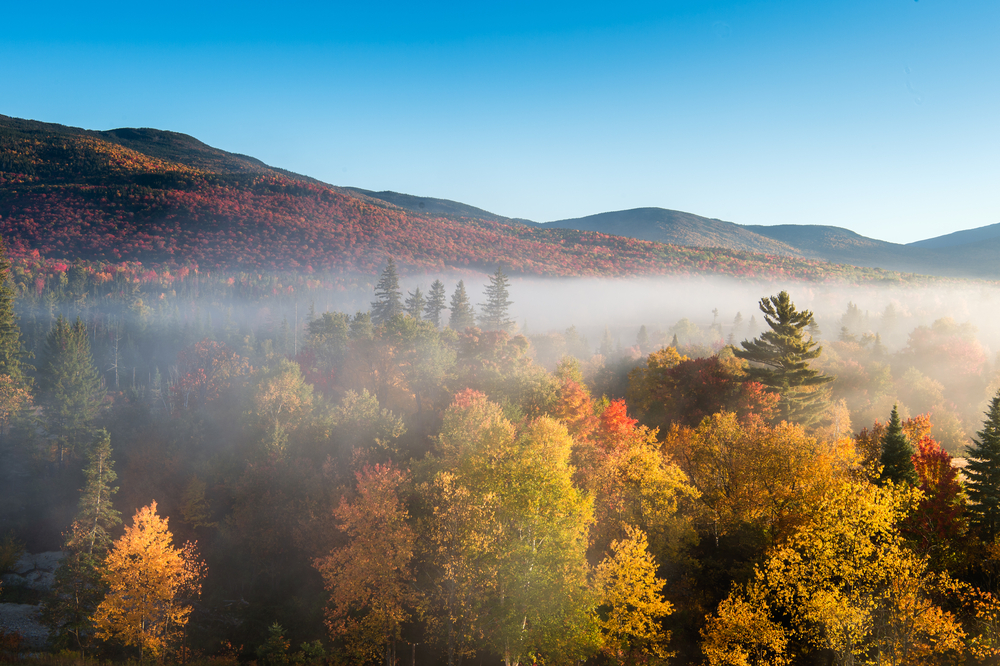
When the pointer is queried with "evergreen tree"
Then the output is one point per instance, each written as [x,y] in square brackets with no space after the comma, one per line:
[495,315]
[78,588]
[71,387]
[983,473]
[96,515]
[780,359]
[462,313]
[11,351]
[388,299]
[415,302]
[897,454]
[435,303]
[607,347]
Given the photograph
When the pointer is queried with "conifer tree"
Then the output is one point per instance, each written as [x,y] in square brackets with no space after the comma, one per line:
[435,303]
[780,360]
[11,351]
[462,313]
[96,515]
[897,453]
[71,387]
[414,303]
[388,299]
[983,473]
[78,589]
[495,315]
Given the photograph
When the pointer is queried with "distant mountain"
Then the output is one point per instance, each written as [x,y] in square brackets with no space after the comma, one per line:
[961,237]
[672,226]
[951,255]
[167,199]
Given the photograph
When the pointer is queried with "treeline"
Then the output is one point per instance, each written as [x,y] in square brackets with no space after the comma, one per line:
[396,484]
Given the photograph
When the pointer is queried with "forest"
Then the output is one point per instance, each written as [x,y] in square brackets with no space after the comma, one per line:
[234,475]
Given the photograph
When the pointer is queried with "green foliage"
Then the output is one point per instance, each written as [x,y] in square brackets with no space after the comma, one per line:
[780,360]
[414,304]
[387,303]
[71,387]
[11,352]
[11,550]
[96,516]
[462,313]
[897,454]
[435,303]
[495,315]
[983,473]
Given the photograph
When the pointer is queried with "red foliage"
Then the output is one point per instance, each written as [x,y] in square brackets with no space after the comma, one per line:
[938,519]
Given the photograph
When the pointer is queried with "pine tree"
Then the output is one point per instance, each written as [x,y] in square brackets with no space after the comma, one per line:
[11,351]
[495,315]
[983,473]
[780,359]
[897,454]
[415,302]
[435,303]
[462,313]
[78,589]
[96,515]
[388,299]
[71,387]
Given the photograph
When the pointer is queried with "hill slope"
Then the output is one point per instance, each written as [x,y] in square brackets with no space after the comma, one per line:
[162,197]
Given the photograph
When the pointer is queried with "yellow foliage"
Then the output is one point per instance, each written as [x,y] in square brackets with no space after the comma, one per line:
[847,584]
[632,599]
[147,578]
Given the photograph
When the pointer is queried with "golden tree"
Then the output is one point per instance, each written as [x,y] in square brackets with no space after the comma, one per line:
[148,580]
[845,583]
[632,602]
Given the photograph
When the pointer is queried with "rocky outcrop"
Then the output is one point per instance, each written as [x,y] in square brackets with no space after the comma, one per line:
[34,571]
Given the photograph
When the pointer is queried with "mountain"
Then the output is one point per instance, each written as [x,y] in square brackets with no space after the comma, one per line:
[966,237]
[168,200]
[672,226]
[967,254]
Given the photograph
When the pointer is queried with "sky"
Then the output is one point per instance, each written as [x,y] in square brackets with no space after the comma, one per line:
[881,116]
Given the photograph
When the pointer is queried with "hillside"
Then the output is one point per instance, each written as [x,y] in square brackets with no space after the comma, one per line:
[672,226]
[162,198]
[964,254]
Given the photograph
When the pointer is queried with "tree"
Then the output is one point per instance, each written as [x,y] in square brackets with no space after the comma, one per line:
[845,583]
[632,603]
[983,473]
[388,299]
[77,589]
[525,587]
[462,314]
[495,315]
[148,581]
[96,515]
[415,303]
[897,454]
[369,579]
[780,359]
[435,303]
[71,387]
[11,352]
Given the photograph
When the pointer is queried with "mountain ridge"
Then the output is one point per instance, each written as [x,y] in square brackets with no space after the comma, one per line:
[141,194]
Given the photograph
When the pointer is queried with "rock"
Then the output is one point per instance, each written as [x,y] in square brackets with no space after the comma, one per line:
[23,618]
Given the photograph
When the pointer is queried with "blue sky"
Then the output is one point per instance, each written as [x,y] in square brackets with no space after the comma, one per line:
[878,115]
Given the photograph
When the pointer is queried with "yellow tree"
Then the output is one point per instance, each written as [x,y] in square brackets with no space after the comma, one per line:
[632,602]
[847,584]
[148,580]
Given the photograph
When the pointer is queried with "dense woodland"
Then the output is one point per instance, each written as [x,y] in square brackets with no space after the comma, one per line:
[416,480]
